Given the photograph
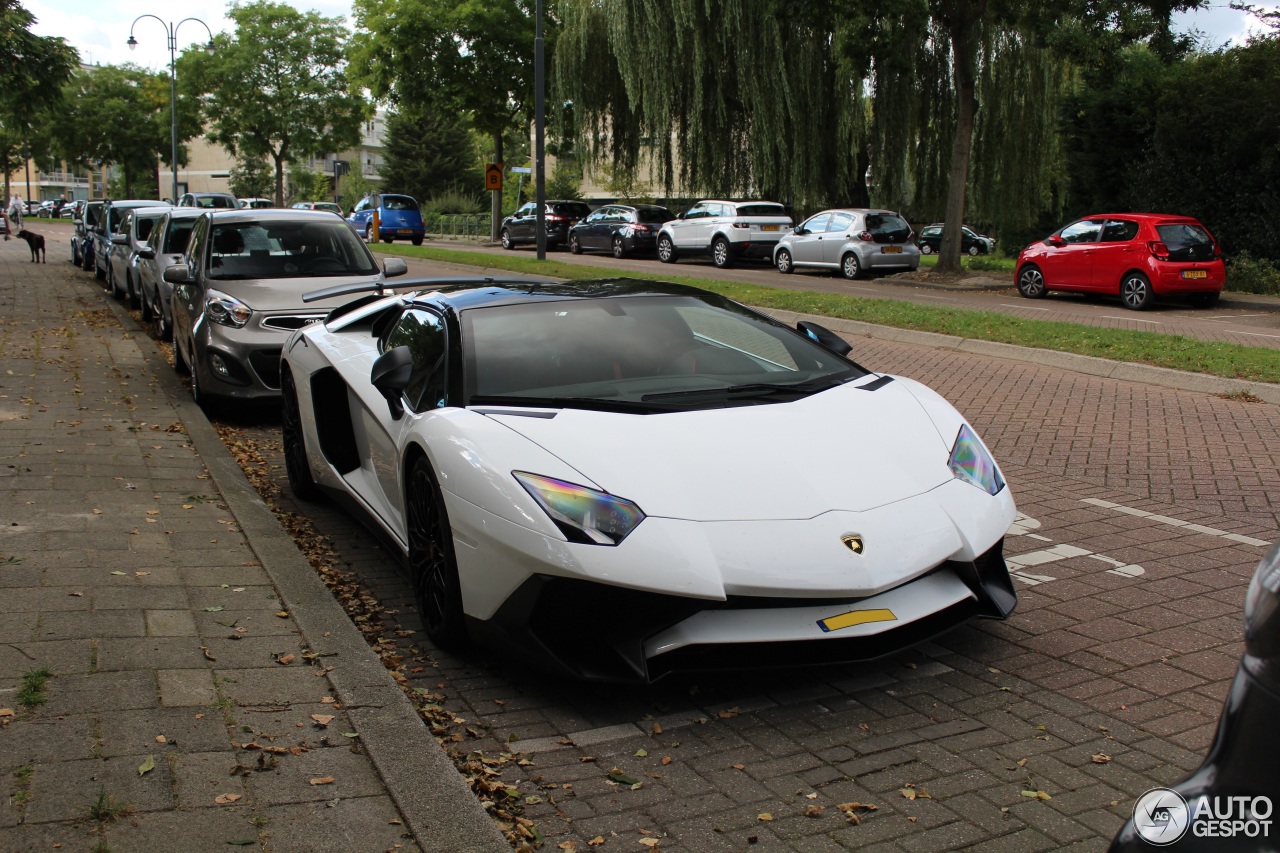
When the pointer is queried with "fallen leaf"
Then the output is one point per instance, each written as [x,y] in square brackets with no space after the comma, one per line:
[120,574]
[764,816]
[532,800]
[728,713]
[813,810]
[286,659]
[1100,758]
[350,734]
[217,608]
[1037,795]
[909,793]
[322,719]
[666,759]
[622,778]
[161,739]
[6,712]
[283,614]
[568,846]
[322,780]
[141,574]
[739,767]
[657,728]
[642,753]
[913,819]
[597,841]
[224,799]
[148,764]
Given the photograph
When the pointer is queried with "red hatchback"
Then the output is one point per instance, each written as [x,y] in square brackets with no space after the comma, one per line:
[1136,255]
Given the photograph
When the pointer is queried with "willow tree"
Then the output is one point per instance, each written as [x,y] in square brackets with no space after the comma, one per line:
[775,98]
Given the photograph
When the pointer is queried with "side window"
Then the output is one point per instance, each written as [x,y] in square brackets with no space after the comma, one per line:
[527,210]
[125,223]
[195,244]
[157,233]
[598,216]
[1084,231]
[818,223]
[1119,231]
[423,333]
[699,212]
[840,222]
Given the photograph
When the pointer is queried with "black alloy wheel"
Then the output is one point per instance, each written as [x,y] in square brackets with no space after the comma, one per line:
[296,466]
[432,565]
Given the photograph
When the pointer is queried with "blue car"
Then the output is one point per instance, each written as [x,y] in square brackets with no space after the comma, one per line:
[399,218]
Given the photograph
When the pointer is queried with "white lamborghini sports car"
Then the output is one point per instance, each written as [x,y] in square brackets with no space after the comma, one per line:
[629,478]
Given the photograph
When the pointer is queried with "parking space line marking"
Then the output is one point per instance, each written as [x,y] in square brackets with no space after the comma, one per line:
[1176,522]
[1255,334]
[1234,316]
[1134,319]
[1024,307]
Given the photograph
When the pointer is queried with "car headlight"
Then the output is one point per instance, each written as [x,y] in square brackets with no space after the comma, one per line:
[583,515]
[971,462]
[226,310]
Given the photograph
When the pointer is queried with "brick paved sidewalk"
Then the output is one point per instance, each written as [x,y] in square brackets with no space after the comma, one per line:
[167,681]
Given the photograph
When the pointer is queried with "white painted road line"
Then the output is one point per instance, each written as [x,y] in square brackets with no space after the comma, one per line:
[1023,307]
[1176,522]
[1234,316]
[1255,334]
[1134,319]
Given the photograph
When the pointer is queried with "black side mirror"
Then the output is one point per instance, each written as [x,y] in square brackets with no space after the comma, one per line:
[147,253]
[390,375]
[825,337]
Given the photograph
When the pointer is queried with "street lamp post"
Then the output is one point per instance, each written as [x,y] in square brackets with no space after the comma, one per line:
[172,30]
[539,136]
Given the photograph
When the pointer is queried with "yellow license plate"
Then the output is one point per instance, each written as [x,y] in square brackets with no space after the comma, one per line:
[769,227]
[404,230]
[1194,274]
[893,250]
[855,617]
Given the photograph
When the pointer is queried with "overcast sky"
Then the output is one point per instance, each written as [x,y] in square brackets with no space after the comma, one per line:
[99,29]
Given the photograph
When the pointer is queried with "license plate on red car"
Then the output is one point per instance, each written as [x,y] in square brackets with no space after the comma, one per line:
[893,250]
[1194,274]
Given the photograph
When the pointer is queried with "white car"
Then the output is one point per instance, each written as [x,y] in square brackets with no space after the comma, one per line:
[726,230]
[629,478]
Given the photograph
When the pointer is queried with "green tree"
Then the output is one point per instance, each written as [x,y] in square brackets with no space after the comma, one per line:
[355,185]
[33,70]
[251,177]
[472,57]
[278,86]
[428,152]
[116,115]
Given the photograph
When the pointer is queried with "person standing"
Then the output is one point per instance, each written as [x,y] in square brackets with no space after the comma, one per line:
[15,211]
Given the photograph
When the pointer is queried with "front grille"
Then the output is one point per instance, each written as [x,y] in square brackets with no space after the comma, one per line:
[290,323]
[266,363]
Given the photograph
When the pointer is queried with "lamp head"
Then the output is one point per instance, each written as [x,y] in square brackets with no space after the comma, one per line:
[132,42]
[209,48]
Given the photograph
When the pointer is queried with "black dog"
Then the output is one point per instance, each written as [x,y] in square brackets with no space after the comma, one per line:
[36,242]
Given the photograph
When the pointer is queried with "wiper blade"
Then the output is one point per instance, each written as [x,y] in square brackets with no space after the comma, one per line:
[763,389]
[597,403]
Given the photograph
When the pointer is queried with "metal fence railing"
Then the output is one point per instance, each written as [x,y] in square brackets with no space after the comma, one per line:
[459,226]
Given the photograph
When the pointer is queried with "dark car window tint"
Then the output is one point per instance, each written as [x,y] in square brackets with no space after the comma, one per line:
[1186,241]
[761,210]
[656,216]
[145,224]
[423,333]
[1119,231]
[574,210]
[1084,231]
[887,226]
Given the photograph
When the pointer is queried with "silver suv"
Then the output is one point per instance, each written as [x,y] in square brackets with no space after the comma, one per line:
[852,240]
[727,230]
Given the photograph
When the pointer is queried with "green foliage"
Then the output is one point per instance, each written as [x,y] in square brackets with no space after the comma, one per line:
[1247,274]
[251,177]
[428,152]
[306,184]
[278,86]
[453,201]
[564,182]
[354,185]
[143,186]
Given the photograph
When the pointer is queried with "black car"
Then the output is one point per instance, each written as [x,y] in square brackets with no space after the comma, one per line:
[971,242]
[521,226]
[620,229]
[1224,804]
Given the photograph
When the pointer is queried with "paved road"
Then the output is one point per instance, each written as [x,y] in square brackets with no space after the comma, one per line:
[1243,319]
[1145,511]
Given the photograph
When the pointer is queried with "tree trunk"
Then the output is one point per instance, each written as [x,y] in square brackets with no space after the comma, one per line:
[495,201]
[962,24]
[279,161]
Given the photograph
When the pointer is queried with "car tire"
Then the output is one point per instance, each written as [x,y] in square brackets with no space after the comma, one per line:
[926,249]
[507,242]
[1031,282]
[180,365]
[117,292]
[160,327]
[973,251]
[75,254]
[619,251]
[783,262]
[666,249]
[131,291]
[721,255]
[143,305]
[296,465]
[417,241]
[1205,300]
[575,248]
[850,267]
[1135,291]
[433,569]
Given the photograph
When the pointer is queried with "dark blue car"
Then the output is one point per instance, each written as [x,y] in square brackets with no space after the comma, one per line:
[399,218]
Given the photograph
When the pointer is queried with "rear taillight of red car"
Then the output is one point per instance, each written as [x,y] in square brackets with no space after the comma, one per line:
[1158,250]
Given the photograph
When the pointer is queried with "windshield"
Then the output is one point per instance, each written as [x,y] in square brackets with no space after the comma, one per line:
[761,210]
[641,353]
[284,249]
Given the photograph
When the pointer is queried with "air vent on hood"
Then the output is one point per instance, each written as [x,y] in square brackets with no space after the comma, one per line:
[877,384]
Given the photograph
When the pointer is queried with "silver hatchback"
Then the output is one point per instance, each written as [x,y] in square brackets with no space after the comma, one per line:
[852,240]
[237,293]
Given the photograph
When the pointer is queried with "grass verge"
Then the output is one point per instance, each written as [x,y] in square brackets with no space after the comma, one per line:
[1231,361]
